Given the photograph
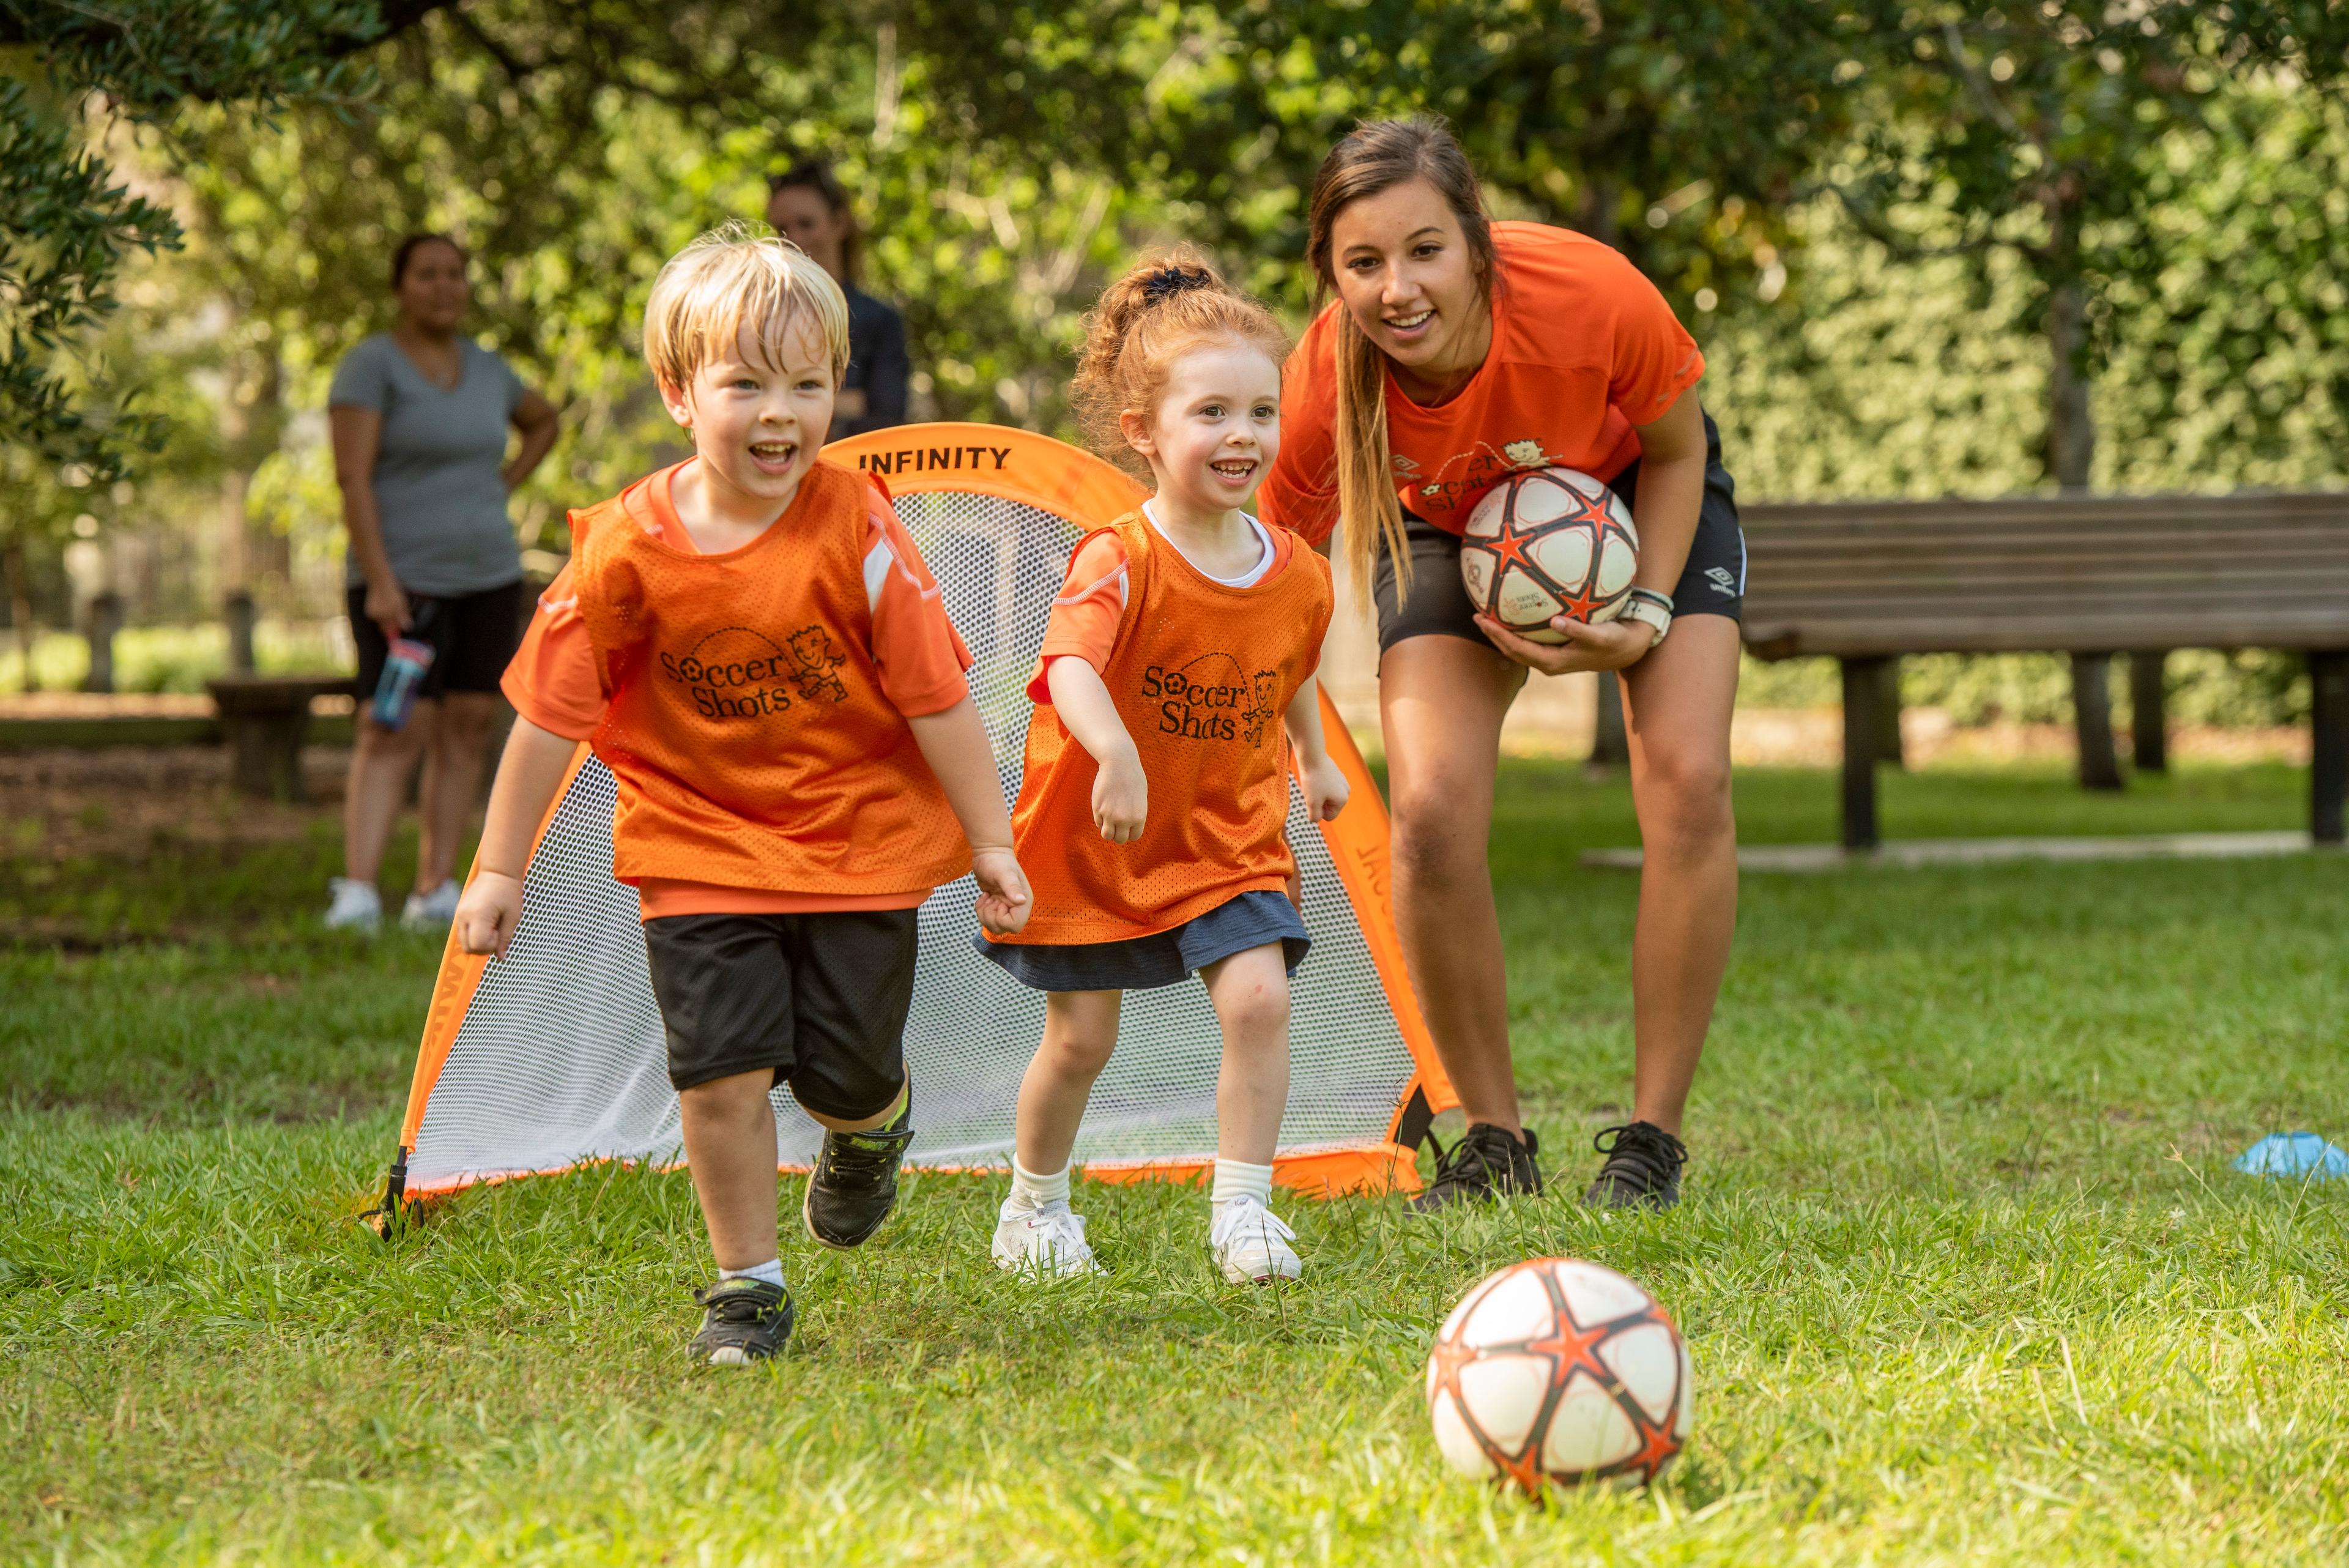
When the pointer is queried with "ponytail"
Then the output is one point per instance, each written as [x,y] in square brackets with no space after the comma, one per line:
[1141,325]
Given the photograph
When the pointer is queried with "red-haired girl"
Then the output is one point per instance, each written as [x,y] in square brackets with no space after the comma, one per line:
[1176,672]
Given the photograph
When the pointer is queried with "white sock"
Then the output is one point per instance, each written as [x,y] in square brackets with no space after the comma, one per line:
[771,1271]
[1029,1190]
[1239,1179]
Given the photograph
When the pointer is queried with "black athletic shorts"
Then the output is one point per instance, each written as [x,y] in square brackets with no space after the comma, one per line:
[819,1000]
[1713,582]
[473,639]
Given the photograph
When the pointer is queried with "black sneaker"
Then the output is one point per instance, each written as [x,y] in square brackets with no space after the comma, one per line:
[854,1183]
[743,1321]
[1642,1169]
[1487,1163]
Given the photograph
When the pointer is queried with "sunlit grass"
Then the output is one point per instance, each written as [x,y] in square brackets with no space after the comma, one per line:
[1965,1273]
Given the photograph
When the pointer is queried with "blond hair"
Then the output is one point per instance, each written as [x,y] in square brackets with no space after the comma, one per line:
[730,276]
[1141,324]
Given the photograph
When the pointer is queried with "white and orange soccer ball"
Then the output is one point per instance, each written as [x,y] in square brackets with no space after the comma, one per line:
[1548,541]
[1555,1370]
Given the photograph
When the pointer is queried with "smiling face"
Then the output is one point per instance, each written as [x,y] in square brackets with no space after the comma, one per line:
[756,424]
[1405,272]
[801,216]
[1214,430]
[432,293]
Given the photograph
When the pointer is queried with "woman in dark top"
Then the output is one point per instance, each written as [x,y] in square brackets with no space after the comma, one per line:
[809,206]
[421,417]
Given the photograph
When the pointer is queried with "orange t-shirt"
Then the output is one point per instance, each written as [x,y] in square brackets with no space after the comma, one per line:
[1584,348]
[1202,673]
[557,681]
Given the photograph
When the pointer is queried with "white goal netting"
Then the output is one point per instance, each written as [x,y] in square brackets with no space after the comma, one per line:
[558,1056]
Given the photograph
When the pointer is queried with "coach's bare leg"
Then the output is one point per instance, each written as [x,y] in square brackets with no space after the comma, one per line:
[1250,993]
[452,782]
[1676,707]
[729,1143]
[1080,1032]
[1441,703]
[381,761]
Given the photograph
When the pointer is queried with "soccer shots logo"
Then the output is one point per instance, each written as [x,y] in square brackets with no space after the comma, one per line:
[738,673]
[1212,698]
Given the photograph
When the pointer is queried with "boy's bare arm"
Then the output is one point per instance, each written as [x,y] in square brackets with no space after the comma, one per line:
[528,775]
[1121,792]
[954,744]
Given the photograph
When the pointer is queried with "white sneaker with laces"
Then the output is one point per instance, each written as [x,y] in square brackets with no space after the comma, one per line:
[355,905]
[1251,1244]
[1049,1242]
[433,911]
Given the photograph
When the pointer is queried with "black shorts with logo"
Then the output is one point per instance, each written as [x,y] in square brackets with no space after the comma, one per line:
[1713,582]
[819,1000]
[473,639]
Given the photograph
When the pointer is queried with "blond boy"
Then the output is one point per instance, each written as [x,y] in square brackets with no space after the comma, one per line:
[754,648]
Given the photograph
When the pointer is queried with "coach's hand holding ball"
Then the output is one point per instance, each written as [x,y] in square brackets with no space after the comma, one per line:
[1610,645]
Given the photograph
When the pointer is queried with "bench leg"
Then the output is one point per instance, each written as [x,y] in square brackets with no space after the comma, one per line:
[2092,720]
[1610,746]
[2149,715]
[2328,679]
[265,755]
[1863,731]
[1887,713]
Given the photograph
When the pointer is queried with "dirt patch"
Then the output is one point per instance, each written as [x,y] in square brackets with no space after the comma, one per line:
[65,805]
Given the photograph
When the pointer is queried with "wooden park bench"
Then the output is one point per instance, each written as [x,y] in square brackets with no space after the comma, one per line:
[265,718]
[1865,583]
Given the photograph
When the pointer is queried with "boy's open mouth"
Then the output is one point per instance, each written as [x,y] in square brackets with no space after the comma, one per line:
[775,456]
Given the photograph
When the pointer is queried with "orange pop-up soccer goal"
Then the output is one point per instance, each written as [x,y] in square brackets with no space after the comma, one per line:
[553,1055]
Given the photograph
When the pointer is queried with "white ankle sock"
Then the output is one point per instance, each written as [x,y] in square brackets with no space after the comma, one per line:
[1237,1178]
[772,1272]
[1029,1190]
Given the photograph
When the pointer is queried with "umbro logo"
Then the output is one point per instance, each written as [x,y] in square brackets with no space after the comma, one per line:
[1724,581]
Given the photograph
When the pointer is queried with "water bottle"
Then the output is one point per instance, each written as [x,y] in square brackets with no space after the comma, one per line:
[403,672]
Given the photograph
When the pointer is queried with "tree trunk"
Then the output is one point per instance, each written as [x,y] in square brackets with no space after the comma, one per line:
[2070,434]
[20,608]
[1610,746]
[2071,454]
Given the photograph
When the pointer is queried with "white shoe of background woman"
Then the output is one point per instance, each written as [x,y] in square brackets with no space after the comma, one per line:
[355,905]
[431,911]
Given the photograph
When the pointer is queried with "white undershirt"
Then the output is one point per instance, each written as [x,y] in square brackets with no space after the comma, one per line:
[1247,579]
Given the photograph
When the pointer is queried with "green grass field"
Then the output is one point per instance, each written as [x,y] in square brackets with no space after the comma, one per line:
[1963,1268]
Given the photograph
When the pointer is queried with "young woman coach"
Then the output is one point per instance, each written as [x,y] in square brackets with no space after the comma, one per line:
[1457,352]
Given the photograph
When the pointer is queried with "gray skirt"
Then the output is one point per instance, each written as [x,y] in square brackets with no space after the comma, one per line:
[1162,958]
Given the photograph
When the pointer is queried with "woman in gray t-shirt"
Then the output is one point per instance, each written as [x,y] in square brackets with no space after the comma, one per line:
[421,417]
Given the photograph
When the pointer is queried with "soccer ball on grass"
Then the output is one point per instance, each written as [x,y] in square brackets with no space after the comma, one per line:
[1555,1370]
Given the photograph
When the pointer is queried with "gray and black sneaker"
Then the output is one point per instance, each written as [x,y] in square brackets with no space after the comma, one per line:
[854,1183]
[742,1321]
[1487,1163]
[1642,1169]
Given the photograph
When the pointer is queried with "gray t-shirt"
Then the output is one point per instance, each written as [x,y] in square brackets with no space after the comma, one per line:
[437,489]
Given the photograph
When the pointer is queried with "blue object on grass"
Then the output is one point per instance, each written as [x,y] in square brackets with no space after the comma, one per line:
[2304,1155]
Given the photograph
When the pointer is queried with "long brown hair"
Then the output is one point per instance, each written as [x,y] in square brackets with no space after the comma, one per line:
[1141,325]
[815,174]
[1378,155]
